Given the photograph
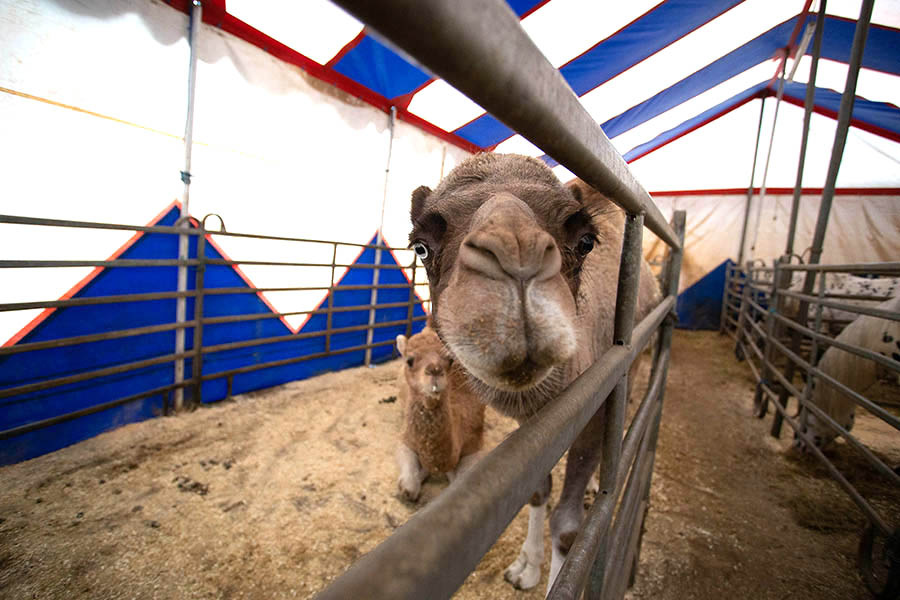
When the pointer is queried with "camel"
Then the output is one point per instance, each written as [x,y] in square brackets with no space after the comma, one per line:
[523,274]
[443,421]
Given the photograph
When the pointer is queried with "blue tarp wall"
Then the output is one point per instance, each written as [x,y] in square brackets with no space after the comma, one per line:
[52,363]
[700,305]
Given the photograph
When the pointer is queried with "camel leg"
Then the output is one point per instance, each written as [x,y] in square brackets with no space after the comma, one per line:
[465,463]
[584,456]
[412,474]
[525,572]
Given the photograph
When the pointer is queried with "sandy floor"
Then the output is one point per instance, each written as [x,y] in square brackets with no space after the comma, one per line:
[274,494]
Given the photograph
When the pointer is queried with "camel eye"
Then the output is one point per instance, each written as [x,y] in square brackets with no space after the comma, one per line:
[410,361]
[585,245]
[421,250]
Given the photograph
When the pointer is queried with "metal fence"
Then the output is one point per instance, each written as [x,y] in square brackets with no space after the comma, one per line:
[782,341]
[481,49]
[202,351]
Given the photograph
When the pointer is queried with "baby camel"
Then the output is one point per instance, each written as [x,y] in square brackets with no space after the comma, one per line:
[443,420]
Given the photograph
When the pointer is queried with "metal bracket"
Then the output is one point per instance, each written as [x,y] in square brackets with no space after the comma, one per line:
[185,177]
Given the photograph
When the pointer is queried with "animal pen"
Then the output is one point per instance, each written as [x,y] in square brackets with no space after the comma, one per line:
[189,312]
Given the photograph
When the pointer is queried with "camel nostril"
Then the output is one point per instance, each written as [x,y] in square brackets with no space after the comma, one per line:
[522,255]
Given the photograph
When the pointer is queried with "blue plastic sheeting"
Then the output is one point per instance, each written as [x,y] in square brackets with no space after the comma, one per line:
[376,66]
[51,363]
[647,35]
[700,305]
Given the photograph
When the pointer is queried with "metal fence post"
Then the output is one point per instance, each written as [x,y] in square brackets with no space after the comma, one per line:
[807,115]
[412,298]
[199,285]
[740,258]
[614,409]
[328,316]
[673,273]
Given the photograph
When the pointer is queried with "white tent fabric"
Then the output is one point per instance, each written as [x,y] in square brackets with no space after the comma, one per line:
[93,102]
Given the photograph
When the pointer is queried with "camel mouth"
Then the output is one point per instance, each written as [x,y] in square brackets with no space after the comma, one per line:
[523,376]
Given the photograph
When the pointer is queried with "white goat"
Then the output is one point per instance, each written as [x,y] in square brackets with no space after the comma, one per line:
[857,373]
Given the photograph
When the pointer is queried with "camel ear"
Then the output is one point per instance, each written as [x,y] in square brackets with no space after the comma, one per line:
[401,344]
[419,195]
[576,191]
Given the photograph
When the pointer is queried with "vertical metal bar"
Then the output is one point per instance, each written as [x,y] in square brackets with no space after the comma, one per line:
[840,136]
[199,287]
[330,301]
[379,240]
[813,352]
[807,116]
[412,298]
[740,259]
[726,296]
[664,343]
[229,387]
[837,151]
[760,399]
[762,186]
[195,21]
[614,422]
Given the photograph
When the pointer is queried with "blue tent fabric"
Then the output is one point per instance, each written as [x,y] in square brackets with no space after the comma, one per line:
[381,69]
[652,32]
[700,305]
[51,363]
[879,114]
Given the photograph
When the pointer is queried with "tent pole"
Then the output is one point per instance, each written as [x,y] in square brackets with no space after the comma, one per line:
[379,239]
[181,302]
[808,106]
[840,136]
[762,186]
[740,260]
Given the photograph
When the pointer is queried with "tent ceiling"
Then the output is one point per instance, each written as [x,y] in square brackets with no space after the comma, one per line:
[649,71]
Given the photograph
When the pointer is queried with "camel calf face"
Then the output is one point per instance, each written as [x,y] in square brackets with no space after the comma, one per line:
[426,367]
[503,243]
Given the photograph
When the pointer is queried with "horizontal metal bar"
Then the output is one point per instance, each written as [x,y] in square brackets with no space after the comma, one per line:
[320,288]
[318,311]
[96,300]
[450,534]
[114,370]
[862,310]
[23,429]
[874,356]
[480,48]
[121,262]
[857,397]
[276,263]
[17,220]
[94,337]
[861,502]
[301,336]
[291,361]
[882,268]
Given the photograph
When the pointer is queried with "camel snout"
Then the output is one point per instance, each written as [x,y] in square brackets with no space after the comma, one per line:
[507,242]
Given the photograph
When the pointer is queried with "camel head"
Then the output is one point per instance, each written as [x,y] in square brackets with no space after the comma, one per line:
[503,242]
[426,366]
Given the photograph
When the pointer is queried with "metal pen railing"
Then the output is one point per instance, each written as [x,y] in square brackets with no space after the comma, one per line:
[778,343]
[201,352]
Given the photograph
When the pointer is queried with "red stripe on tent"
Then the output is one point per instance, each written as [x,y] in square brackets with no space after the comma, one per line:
[87,278]
[347,48]
[880,131]
[226,22]
[782,192]
[703,123]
